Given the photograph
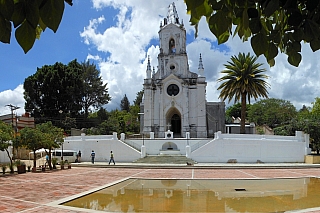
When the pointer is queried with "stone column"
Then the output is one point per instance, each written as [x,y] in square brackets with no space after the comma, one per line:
[122,136]
[143,151]
[151,135]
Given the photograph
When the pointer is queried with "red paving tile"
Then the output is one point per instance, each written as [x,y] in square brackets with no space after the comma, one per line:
[31,192]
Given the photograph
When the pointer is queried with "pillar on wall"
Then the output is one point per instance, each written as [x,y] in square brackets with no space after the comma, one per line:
[83,136]
[217,135]
[188,151]
[151,135]
[307,139]
[143,151]
[115,135]
[122,136]
[299,136]
[187,137]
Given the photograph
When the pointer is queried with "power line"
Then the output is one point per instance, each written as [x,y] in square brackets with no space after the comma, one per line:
[12,108]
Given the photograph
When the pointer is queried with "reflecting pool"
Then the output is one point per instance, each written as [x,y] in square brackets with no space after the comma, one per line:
[168,195]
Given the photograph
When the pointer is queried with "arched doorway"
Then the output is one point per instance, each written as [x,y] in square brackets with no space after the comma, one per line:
[176,126]
[173,118]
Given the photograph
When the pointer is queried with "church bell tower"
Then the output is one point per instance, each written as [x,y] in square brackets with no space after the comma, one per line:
[174,98]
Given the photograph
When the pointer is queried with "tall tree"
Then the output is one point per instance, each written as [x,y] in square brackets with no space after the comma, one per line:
[270,24]
[243,79]
[53,88]
[32,139]
[61,91]
[139,97]
[272,112]
[52,137]
[95,92]
[29,18]
[125,104]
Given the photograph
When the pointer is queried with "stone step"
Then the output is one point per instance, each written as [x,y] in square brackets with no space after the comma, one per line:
[165,159]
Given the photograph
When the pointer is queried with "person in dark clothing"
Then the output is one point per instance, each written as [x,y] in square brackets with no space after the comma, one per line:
[79,156]
[112,158]
[93,155]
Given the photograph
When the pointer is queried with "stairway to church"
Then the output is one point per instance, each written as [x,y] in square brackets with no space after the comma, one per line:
[165,159]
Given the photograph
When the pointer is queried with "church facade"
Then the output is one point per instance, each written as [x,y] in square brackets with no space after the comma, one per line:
[174,97]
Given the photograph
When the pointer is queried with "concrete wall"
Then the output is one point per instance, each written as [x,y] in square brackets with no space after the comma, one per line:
[102,145]
[250,148]
[244,148]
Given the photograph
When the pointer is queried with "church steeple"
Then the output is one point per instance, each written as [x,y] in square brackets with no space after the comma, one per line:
[148,69]
[172,14]
[200,68]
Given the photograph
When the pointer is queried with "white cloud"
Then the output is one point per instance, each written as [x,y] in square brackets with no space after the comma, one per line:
[13,97]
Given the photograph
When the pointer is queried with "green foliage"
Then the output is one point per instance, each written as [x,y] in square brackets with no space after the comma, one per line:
[235,111]
[102,114]
[138,99]
[260,130]
[72,88]
[272,112]
[29,18]
[52,88]
[32,139]
[272,25]
[243,78]
[6,135]
[118,121]
[125,104]
[310,125]
[316,107]
[95,92]
[305,121]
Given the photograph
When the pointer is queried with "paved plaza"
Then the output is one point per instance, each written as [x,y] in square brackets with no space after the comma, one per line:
[35,192]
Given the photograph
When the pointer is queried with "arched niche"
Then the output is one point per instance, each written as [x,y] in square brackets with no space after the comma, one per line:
[169,146]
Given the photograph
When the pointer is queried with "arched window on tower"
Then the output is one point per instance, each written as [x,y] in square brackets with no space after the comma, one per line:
[172,46]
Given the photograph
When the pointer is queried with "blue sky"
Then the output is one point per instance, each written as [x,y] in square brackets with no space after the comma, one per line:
[117,35]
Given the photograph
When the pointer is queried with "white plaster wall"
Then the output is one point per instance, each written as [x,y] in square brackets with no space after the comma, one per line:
[251,148]
[244,148]
[102,145]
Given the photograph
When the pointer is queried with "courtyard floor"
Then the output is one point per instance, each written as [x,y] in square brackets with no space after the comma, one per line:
[35,192]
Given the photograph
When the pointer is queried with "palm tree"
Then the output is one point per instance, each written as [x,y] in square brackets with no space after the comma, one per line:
[243,78]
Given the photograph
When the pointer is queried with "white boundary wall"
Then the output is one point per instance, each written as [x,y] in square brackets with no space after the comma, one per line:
[245,148]
[102,145]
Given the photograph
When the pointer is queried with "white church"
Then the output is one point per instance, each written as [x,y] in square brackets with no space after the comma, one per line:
[174,97]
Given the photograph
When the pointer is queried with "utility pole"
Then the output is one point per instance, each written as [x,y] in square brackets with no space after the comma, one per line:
[13,108]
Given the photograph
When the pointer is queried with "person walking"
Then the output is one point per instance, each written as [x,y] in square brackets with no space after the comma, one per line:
[47,160]
[93,155]
[112,158]
[79,156]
